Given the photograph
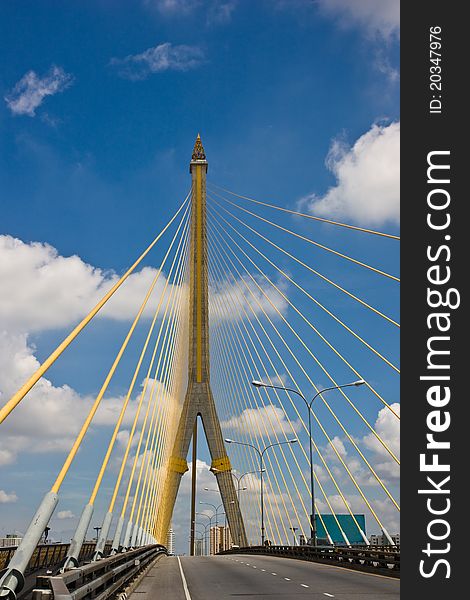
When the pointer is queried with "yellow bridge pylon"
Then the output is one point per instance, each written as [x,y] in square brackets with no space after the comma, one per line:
[199,400]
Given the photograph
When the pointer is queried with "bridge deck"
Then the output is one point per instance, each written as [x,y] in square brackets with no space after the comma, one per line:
[227,577]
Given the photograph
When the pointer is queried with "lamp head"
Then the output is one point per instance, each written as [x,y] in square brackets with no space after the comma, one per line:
[293,441]
[257,383]
[228,440]
[359,382]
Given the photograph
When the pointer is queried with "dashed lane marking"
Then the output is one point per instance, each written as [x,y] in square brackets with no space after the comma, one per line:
[303,585]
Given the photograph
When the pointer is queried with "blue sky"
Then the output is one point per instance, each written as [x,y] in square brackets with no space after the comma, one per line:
[281,93]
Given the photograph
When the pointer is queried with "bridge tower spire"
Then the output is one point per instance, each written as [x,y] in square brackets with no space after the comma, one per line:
[199,401]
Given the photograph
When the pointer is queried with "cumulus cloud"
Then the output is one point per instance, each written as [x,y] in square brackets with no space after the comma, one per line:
[164,57]
[367,190]
[376,17]
[255,421]
[174,7]
[388,428]
[7,498]
[65,514]
[50,417]
[31,90]
[43,290]
[220,12]
[217,12]
[226,299]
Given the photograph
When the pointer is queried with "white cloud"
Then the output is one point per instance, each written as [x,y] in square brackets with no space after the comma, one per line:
[228,299]
[368,179]
[217,12]
[43,290]
[174,7]
[49,418]
[388,428]
[220,12]
[65,514]
[255,421]
[30,91]
[7,498]
[164,57]
[375,16]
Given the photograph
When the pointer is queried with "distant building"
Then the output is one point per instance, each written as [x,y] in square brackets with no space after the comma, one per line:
[11,539]
[170,541]
[381,540]
[199,547]
[220,539]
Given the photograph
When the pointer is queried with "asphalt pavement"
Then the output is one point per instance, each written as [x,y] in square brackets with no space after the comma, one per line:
[259,578]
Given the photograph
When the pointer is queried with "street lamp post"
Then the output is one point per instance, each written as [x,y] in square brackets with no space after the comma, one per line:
[201,514]
[216,508]
[313,529]
[261,471]
[239,489]
[205,534]
[294,529]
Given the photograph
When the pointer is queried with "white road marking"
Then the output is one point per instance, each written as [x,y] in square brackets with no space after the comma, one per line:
[183,578]
[263,569]
[273,573]
[303,585]
[254,567]
[287,578]
[329,595]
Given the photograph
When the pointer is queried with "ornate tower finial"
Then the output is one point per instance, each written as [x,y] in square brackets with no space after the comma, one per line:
[198,152]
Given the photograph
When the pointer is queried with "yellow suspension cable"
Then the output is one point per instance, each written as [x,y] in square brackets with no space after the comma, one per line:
[237,337]
[155,430]
[227,392]
[304,291]
[296,410]
[21,393]
[174,391]
[353,479]
[147,379]
[156,378]
[131,387]
[309,268]
[247,436]
[142,395]
[273,285]
[322,398]
[314,218]
[278,397]
[152,491]
[317,244]
[276,373]
[240,367]
[76,445]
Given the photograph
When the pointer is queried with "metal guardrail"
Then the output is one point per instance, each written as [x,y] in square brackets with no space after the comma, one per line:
[47,555]
[384,559]
[98,580]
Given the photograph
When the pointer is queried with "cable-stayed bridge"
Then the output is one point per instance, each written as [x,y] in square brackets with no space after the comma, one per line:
[277,331]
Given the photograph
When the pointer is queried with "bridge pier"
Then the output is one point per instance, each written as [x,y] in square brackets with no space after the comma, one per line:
[117,536]
[71,560]
[12,578]
[101,542]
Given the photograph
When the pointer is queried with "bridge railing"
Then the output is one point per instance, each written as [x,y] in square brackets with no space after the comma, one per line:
[47,555]
[385,559]
[98,580]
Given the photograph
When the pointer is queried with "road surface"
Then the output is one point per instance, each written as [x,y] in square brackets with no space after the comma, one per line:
[258,578]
